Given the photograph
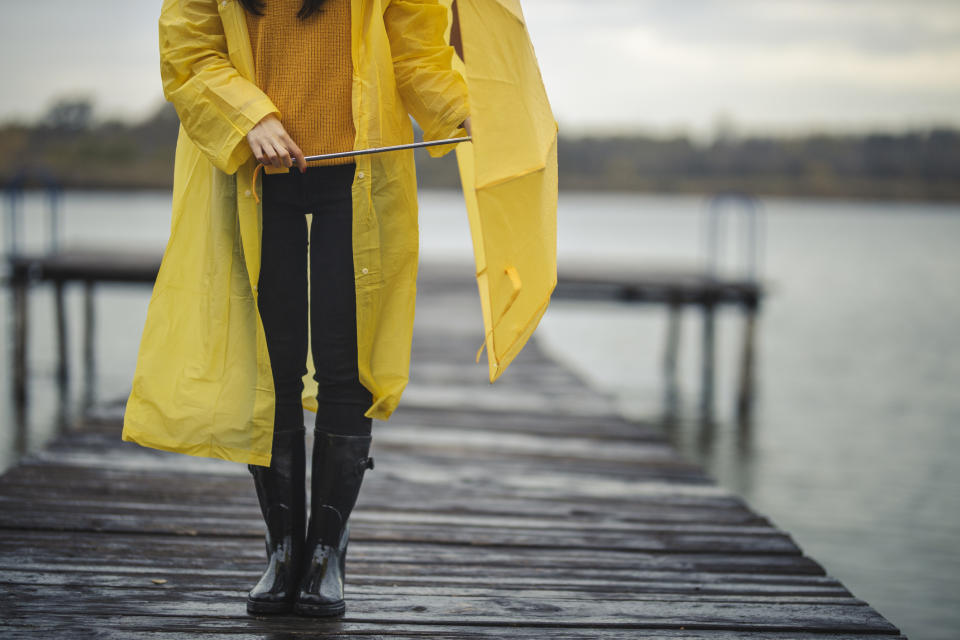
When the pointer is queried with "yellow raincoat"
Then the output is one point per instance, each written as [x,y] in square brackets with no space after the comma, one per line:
[203,384]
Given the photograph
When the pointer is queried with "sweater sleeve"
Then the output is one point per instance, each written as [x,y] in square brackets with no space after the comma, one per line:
[216,105]
[432,91]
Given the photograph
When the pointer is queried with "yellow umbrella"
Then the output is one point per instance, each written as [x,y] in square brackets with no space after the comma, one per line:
[509,175]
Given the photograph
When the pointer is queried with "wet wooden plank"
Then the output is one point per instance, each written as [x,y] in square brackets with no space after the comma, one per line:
[754,541]
[212,576]
[451,605]
[136,550]
[98,493]
[396,519]
[88,265]
[106,627]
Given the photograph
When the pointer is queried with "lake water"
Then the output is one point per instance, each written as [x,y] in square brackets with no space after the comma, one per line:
[857,409]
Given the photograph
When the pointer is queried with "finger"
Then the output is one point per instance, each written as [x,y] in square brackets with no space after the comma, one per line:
[293,151]
[283,156]
[258,153]
[280,152]
[298,156]
[271,156]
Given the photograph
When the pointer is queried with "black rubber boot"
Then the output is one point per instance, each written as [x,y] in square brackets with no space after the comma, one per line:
[339,462]
[282,495]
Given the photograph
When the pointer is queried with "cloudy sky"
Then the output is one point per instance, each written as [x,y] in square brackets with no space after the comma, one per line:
[655,65]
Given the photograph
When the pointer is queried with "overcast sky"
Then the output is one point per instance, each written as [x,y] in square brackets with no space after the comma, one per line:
[660,65]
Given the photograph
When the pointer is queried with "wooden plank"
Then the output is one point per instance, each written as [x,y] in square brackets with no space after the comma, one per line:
[107,627]
[394,518]
[785,588]
[682,541]
[199,551]
[154,493]
[597,427]
[585,477]
[446,606]
[451,441]
[403,576]
[87,264]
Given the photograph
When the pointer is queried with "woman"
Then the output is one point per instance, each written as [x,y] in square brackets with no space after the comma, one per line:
[221,370]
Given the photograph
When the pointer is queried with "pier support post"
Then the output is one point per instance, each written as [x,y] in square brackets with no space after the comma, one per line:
[671,349]
[708,364]
[89,331]
[63,368]
[745,390]
[20,335]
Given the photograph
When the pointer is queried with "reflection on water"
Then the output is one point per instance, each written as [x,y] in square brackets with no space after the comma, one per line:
[854,433]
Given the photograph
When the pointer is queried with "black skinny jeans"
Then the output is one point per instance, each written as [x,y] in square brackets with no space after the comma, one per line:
[326,193]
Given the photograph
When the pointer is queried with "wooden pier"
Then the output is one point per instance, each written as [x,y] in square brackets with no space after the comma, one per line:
[524,509]
[674,287]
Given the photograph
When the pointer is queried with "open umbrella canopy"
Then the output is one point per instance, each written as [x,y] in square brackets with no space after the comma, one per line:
[509,175]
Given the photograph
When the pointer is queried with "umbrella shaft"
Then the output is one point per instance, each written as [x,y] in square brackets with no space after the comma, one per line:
[398,147]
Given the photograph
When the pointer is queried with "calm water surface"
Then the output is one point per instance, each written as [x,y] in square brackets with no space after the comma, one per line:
[857,413]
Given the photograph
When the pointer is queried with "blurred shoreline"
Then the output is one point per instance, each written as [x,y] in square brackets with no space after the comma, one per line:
[68,148]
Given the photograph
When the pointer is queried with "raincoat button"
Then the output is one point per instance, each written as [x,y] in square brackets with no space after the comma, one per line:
[247,193]
[364,271]
[361,175]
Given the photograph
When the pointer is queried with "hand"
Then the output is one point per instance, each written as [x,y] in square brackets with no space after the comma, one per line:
[272,146]
[466,125]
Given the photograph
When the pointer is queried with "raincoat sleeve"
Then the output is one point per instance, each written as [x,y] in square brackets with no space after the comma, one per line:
[432,91]
[216,104]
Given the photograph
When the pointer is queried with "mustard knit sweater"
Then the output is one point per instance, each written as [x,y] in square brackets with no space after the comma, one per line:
[305,68]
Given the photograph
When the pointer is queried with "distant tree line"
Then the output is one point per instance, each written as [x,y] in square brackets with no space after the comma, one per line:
[922,165]
[68,145]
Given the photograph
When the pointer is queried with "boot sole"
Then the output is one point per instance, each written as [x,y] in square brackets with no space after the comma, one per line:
[320,610]
[254,606]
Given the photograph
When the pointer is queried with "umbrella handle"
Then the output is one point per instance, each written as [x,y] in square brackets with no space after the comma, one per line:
[397,147]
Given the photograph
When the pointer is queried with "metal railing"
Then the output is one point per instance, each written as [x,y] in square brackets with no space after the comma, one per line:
[752,225]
